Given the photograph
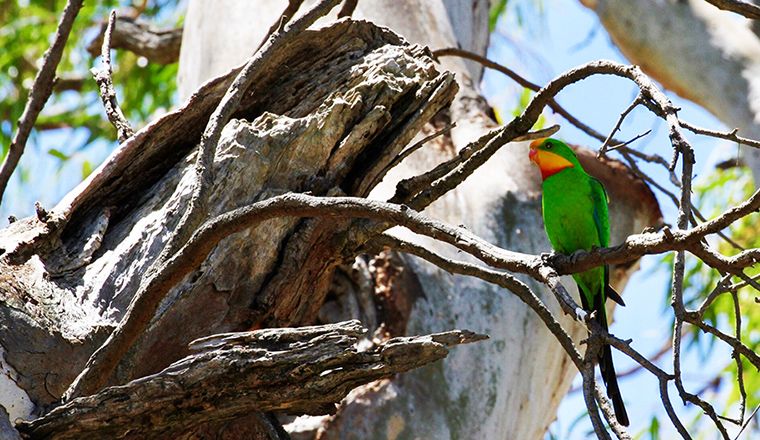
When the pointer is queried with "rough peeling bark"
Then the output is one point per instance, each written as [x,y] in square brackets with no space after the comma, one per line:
[325,116]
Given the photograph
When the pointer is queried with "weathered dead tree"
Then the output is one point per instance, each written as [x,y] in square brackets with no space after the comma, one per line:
[306,370]
[325,115]
[499,202]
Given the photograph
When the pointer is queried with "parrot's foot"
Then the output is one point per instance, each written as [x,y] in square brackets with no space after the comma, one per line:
[576,255]
[580,314]
[548,257]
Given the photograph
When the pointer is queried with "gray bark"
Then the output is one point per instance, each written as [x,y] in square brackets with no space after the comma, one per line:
[307,370]
[352,96]
[522,373]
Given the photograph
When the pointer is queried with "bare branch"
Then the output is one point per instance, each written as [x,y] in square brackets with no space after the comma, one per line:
[749,420]
[589,385]
[608,412]
[738,358]
[502,279]
[728,135]
[287,14]
[305,370]
[665,398]
[42,87]
[107,93]
[608,139]
[411,149]
[158,46]
[452,51]
[740,7]
[348,8]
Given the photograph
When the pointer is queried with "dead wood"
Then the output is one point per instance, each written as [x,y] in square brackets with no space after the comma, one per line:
[305,370]
[328,122]
[157,45]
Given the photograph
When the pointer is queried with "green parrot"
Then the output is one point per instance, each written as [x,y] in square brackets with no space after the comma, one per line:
[575,217]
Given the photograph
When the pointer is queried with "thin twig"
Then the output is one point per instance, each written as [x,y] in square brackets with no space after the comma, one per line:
[42,88]
[287,14]
[105,83]
[746,9]
[417,145]
[554,105]
[727,135]
[626,112]
[737,356]
[749,420]
[668,405]
[629,141]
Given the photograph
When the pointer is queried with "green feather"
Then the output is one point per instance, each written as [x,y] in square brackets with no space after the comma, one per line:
[576,217]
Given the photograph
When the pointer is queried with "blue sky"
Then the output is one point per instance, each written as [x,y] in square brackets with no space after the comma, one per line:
[547,40]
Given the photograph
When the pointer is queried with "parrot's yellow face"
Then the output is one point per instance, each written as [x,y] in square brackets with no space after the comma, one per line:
[548,161]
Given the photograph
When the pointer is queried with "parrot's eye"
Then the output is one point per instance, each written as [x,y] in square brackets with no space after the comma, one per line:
[548,146]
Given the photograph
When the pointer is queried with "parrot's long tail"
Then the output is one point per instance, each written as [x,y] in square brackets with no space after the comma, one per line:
[610,381]
[605,357]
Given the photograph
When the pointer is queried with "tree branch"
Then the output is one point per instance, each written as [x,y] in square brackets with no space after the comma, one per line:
[740,7]
[554,105]
[306,370]
[42,87]
[158,46]
[105,83]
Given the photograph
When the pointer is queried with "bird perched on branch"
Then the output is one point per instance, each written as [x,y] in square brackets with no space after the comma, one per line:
[575,217]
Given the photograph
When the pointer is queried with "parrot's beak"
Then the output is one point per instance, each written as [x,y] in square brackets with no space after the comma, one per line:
[533,154]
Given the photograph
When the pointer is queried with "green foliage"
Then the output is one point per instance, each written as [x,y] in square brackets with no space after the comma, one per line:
[498,8]
[523,11]
[651,432]
[143,89]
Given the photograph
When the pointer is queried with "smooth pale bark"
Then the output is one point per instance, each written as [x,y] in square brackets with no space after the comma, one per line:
[510,386]
[706,55]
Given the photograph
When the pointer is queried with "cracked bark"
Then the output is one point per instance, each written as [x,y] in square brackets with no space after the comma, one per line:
[349,99]
[306,370]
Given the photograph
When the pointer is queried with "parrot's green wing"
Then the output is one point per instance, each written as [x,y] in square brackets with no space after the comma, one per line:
[601,216]
[602,220]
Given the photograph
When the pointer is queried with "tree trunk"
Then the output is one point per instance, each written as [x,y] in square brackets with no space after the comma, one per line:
[330,123]
[508,395]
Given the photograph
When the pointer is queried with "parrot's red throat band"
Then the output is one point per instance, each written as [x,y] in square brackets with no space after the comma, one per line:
[549,163]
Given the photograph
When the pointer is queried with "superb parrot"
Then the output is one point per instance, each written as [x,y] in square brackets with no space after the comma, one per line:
[575,217]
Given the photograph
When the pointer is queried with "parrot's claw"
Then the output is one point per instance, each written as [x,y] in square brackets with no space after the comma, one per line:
[547,257]
[580,314]
[575,255]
